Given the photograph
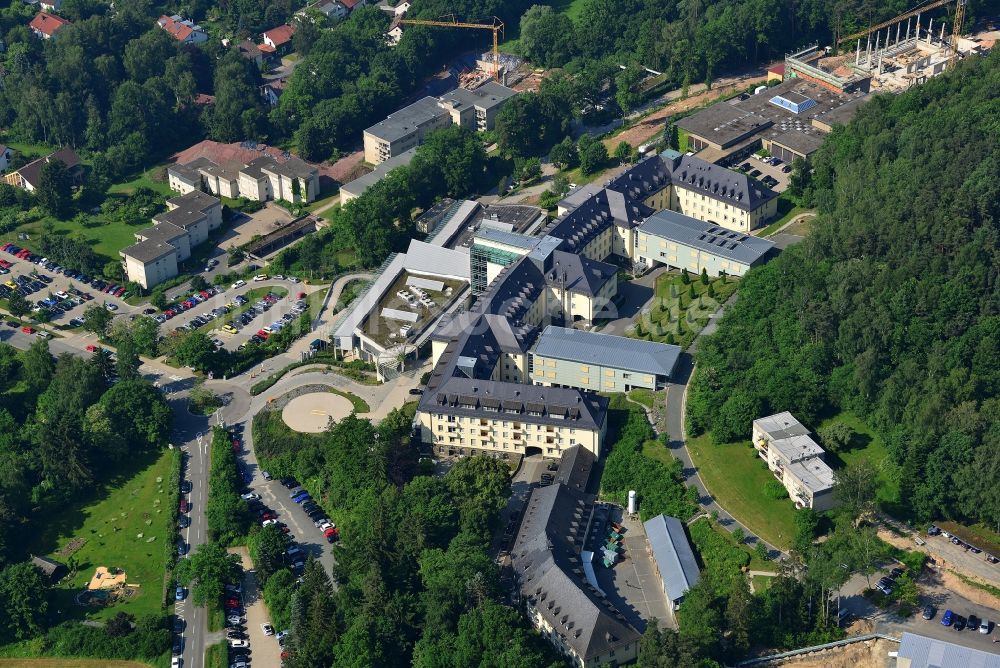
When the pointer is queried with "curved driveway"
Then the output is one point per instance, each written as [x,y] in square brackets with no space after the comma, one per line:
[676,398]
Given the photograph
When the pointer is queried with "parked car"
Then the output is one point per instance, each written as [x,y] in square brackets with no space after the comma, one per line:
[959,623]
[984,626]
[239,643]
[947,618]
[267,629]
[928,612]
[179,593]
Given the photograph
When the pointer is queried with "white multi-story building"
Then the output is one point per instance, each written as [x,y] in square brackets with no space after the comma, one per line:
[795,459]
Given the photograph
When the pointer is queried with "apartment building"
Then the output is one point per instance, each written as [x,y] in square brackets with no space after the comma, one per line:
[565,357]
[406,128]
[476,109]
[795,459]
[673,239]
[264,178]
[159,249]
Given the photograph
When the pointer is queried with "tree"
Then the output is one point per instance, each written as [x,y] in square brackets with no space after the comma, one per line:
[704,276]
[672,137]
[207,571]
[194,349]
[626,83]
[158,298]
[120,625]
[267,548]
[856,489]
[198,282]
[18,305]
[836,437]
[593,157]
[23,601]
[96,319]
[145,335]
[685,277]
[623,152]
[138,411]
[38,365]
[528,169]
[54,189]
[800,181]
[564,154]
[547,36]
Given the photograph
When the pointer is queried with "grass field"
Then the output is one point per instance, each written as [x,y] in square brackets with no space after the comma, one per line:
[643,396]
[735,476]
[360,405]
[154,178]
[868,446]
[217,656]
[756,563]
[110,525]
[787,209]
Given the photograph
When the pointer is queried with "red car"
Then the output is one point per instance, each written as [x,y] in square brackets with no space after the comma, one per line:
[232,603]
[204,293]
[236,446]
[301,295]
[269,515]
[184,506]
[92,348]
[262,334]
[332,531]
[27,330]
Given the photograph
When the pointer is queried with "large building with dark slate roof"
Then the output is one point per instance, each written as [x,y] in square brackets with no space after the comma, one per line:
[547,560]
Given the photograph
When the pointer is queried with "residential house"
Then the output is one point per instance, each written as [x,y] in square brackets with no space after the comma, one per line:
[251,51]
[45,25]
[263,178]
[271,91]
[6,154]
[279,39]
[183,30]
[29,176]
[350,5]
[331,9]
[476,109]
[795,459]
[51,569]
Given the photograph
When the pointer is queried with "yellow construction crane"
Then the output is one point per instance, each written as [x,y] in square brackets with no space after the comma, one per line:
[496,27]
[956,30]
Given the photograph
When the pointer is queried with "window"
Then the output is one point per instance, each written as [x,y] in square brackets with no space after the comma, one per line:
[584,369]
[610,373]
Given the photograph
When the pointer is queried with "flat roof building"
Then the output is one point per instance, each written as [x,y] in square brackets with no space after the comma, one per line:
[779,119]
[678,241]
[795,459]
[675,563]
[565,357]
[406,128]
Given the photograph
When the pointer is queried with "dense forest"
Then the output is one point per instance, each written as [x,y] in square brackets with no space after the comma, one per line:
[890,308]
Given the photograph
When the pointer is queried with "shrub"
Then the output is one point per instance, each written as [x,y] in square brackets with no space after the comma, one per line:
[775,490]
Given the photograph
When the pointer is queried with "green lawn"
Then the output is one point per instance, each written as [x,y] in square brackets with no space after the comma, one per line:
[217,656]
[675,317]
[756,563]
[643,396]
[868,446]
[360,405]
[735,476]
[154,178]
[124,527]
[787,209]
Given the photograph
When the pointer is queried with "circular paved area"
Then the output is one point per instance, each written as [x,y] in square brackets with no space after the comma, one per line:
[311,412]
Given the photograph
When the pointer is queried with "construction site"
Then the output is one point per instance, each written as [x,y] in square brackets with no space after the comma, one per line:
[893,55]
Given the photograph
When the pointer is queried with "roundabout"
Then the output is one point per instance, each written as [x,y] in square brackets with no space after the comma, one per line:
[312,412]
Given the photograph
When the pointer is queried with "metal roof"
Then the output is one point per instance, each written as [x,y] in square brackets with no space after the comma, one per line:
[358,186]
[428,259]
[673,555]
[619,352]
[781,425]
[924,652]
[491,94]
[707,237]
[507,238]
[813,473]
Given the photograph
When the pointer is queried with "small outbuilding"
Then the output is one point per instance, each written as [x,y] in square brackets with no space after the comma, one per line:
[51,569]
[673,557]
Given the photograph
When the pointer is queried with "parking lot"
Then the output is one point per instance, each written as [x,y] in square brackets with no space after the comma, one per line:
[265,650]
[64,297]
[752,164]
[273,311]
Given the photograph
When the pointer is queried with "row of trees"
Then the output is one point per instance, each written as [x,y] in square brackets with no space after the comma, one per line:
[227,514]
[416,584]
[889,309]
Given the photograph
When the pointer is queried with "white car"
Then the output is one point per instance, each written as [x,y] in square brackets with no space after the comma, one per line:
[62,294]
[279,277]
[260,277]
[325,525]
[267,523]
[239,644]
[233,620]
[111,307]
[292,279]
[267,629]
[238,284]
[175,662]
[250,496]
